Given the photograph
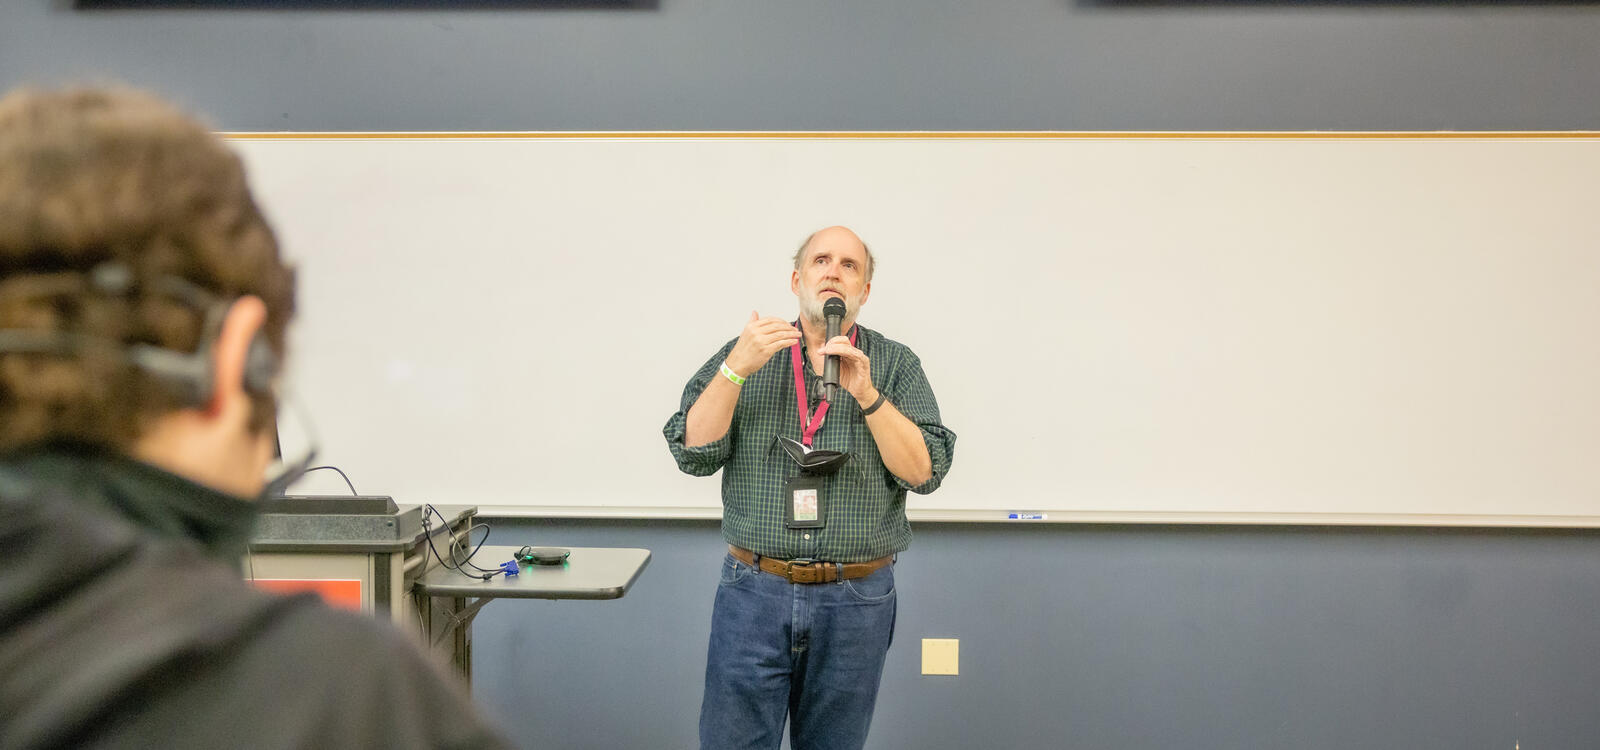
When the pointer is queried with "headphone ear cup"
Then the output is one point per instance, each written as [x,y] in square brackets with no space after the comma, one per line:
[260,365]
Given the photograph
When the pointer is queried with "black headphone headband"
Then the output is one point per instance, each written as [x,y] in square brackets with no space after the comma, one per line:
[188,373]
[191,374]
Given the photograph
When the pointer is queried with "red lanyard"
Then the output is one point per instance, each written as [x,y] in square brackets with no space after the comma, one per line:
[809,427]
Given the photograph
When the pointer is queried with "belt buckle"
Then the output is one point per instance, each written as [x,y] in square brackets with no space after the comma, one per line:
[814,572]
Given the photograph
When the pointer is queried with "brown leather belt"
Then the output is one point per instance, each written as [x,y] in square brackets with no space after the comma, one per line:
[809,571]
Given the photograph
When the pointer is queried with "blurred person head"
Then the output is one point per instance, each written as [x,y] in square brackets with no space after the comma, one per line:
[127,227]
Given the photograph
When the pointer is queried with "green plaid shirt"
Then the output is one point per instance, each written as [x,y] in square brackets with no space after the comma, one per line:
[866,504]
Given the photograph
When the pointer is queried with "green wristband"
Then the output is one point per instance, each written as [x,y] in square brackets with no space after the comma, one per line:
[732,376]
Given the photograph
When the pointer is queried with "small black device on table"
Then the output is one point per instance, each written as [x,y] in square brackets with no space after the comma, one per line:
[542,555]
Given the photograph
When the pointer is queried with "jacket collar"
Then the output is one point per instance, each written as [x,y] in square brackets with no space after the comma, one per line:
[151,497]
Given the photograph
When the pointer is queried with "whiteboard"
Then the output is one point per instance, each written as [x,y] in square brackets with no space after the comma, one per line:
[1351,328]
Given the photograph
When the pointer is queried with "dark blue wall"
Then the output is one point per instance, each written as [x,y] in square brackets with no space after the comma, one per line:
[840,64]
[1111,637]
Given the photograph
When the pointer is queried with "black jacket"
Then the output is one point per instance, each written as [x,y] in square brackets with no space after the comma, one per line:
[124,623]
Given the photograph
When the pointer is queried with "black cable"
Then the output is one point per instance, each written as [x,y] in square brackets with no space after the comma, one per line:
[428,534]
[453,545]
[341,473]
[483,573]
[474,552]
[427,528]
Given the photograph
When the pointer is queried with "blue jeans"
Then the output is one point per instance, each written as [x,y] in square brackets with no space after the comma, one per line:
[811,652]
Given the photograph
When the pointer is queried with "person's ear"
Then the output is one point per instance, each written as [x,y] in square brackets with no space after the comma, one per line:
[794,281]
[865,290]
[243,321]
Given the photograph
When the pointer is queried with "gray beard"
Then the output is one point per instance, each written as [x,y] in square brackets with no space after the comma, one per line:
[811,311]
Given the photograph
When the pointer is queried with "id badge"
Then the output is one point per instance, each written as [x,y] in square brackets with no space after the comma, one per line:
[805,503]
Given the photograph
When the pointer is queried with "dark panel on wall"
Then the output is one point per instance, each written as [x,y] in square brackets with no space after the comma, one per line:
[1103,636]
[838,65]
[372,5]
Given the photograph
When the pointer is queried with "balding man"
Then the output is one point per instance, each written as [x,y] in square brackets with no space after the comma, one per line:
[814,498]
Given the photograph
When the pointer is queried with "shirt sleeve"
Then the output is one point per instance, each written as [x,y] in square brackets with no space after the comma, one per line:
[701,460]
[910,393]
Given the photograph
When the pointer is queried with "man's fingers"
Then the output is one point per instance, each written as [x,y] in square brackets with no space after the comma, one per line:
[780,328]
[775,323]
[839,345]
[843,349]
[777,342]
[762,331]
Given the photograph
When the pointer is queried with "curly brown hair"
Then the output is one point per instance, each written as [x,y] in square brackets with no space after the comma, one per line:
[90,176]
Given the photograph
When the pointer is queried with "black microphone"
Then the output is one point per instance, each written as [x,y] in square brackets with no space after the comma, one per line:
[833,311]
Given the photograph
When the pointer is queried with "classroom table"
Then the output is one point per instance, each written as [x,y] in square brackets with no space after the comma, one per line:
[456,597]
